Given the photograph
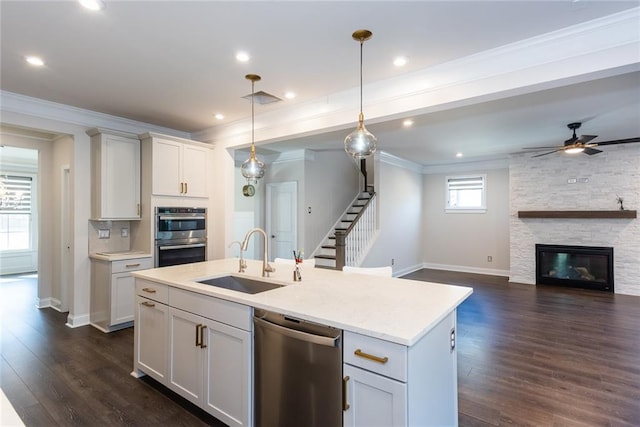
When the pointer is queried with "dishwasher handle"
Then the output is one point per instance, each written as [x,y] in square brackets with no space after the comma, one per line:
[300,335]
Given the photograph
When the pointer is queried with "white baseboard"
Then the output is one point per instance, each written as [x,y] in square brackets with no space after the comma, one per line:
[74,321]
[407,270]
[43,302]
[467,269]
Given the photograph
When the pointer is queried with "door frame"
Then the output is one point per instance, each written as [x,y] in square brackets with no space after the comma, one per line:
[268,204]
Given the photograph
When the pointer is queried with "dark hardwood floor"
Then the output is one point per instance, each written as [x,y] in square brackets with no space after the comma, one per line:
[538,356]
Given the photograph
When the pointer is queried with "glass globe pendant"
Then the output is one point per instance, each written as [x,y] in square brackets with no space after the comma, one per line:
[360,143]
[252,168]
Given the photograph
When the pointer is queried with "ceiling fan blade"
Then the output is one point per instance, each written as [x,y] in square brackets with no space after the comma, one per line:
[586,138]
[591,151]
[540,148]
[619,141]
[571,141]
[544,154]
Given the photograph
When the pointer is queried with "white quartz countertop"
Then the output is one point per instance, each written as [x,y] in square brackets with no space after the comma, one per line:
[119,255]
[397,310]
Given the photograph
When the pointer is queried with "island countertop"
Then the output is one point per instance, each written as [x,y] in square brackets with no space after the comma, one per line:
[397,310]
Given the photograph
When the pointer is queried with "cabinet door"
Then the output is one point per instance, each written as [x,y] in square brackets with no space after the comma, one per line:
[374,400]
[117,177]
[228,374]
[151,332]
[167,174]
[186,355]
[194,173]
[123,288]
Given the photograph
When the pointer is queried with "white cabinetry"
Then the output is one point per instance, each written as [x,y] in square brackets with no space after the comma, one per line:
[209,350]
[151,330]
[115,163]
[178,167]
[112,292]
[377,372]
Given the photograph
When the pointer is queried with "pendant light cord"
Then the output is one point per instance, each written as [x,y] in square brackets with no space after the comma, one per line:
[361,44]
[252,115]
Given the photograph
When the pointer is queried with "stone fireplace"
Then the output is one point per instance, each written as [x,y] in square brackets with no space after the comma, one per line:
[559,183]
[585,267]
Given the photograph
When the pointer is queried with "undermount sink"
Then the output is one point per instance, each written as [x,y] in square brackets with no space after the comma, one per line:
[240,284]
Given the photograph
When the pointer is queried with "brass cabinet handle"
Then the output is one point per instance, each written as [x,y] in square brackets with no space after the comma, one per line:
[202,328]
[345,405]
[198,342]
[148,304]
[361,353]
[149,290]
[186,187]
[132,265]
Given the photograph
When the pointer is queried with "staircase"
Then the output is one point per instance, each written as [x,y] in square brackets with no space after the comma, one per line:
[329,255]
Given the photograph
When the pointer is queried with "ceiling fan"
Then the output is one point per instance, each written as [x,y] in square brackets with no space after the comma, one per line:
[581,144]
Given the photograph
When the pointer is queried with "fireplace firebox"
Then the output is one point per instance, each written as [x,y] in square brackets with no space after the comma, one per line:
[586,267]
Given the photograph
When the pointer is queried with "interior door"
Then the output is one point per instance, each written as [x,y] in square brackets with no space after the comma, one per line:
[282,219]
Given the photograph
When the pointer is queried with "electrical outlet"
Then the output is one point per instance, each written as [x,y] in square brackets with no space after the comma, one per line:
[393,261]
[104,233]
[124,232]
[489,258]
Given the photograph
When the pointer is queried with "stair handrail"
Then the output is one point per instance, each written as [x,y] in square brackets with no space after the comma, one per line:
[341,235]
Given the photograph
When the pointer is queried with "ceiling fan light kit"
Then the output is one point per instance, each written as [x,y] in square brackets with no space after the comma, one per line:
[581,144]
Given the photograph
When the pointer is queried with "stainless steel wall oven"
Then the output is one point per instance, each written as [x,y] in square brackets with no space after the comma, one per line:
[180,235]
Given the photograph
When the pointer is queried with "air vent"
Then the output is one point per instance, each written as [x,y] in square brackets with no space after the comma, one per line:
[263,98]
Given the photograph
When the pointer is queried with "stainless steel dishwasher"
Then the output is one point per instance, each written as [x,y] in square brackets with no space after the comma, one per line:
[297,372]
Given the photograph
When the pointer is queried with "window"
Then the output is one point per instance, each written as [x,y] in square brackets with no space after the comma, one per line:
[15,212]
[466,193]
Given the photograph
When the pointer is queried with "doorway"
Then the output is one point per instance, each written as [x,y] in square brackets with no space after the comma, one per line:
[282,219]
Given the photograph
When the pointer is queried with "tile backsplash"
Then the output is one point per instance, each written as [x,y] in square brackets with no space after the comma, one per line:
[118,232]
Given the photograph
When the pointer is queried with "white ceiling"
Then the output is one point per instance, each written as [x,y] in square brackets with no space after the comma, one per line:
[171,63]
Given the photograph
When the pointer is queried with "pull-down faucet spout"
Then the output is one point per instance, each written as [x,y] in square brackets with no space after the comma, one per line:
[266,268]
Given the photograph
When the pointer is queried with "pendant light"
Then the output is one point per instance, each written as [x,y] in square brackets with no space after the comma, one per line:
[360,143]
[252,168]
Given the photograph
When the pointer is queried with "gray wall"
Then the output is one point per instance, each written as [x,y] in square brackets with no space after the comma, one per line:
[463,241]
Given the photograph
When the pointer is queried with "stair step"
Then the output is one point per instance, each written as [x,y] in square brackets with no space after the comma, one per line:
[332,237]
[341,229]
[328,246]
[333,257]
[346,220]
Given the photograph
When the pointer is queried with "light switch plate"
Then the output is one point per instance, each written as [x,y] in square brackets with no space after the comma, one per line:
[103,233]
[124,232]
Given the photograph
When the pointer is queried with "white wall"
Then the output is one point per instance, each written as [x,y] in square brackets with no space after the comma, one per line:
[331,183]
[542,184]
[400,198]
[463,241]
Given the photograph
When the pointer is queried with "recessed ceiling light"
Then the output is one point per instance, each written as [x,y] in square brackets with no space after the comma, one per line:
[407,123]
[400,61]
[93,4]
[289,95]
[219,116]
[242,56]
[458,154]
[34,60]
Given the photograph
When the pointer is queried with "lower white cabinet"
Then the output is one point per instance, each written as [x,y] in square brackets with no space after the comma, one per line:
[388,384]
[151,337]
[112,292]
[204,353]
[374,400]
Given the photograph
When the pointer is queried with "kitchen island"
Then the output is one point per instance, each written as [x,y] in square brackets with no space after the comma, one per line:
[399,338]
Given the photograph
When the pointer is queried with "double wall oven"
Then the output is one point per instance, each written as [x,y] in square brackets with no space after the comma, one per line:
[181,235]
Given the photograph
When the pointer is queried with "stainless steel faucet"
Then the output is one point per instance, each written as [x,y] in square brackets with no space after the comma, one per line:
[266,268]
[242,264]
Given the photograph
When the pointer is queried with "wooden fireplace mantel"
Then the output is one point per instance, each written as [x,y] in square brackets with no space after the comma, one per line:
[618,214]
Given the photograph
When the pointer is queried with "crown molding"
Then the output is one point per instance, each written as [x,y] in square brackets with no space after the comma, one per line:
[390,159]
[594,49]
[21,104]
[466,167]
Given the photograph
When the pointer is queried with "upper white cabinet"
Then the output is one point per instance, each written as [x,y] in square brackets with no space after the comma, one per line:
[115,164]
[178,167]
